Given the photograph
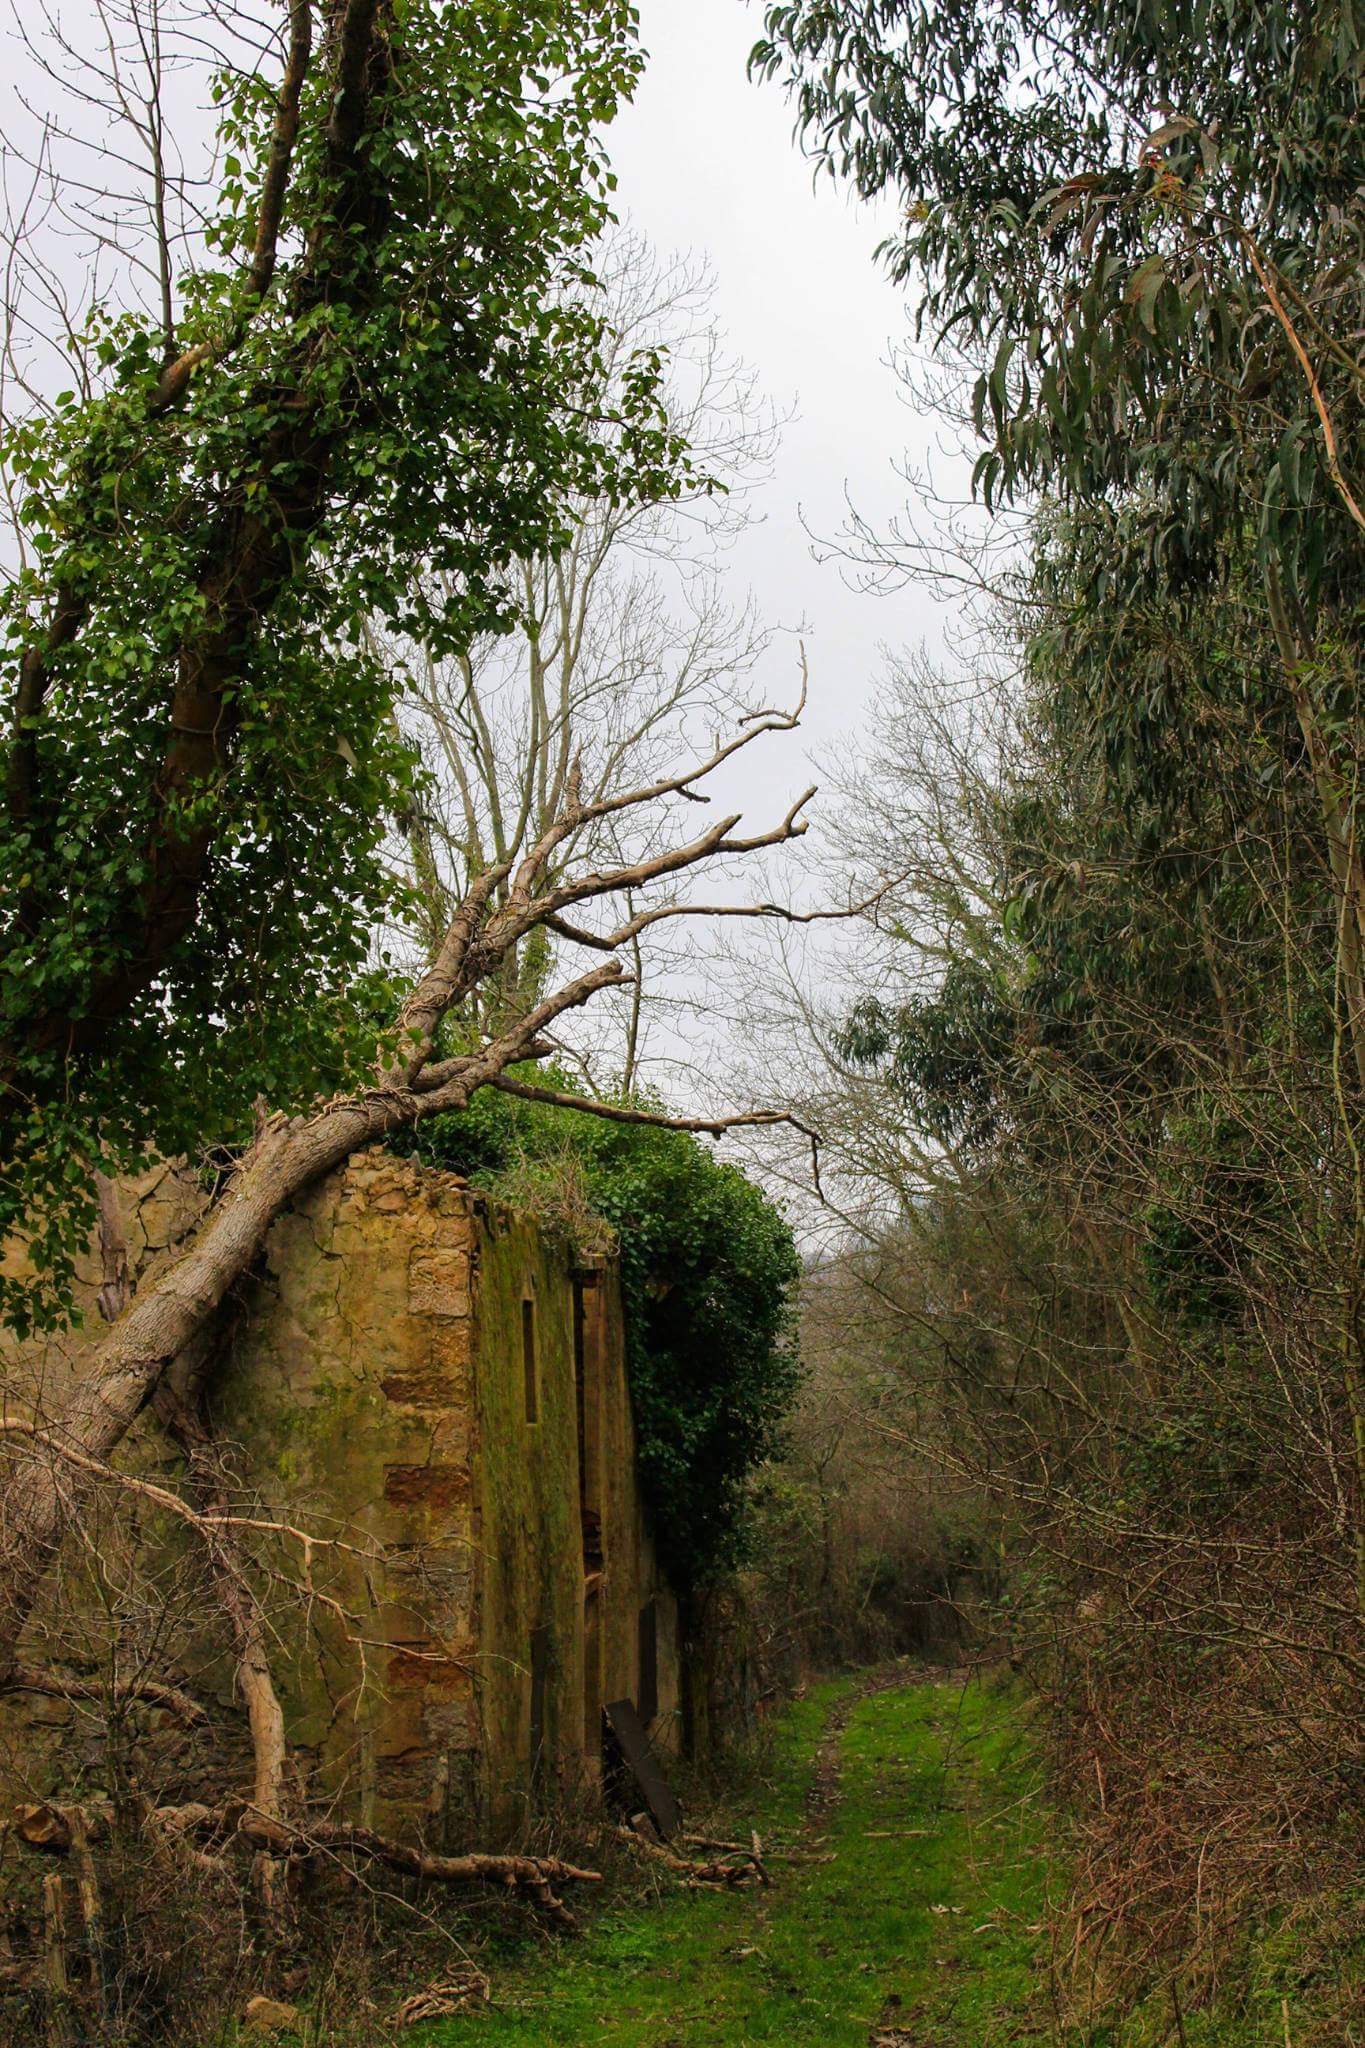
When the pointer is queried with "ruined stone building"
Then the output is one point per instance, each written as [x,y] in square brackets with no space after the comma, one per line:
[436,1391]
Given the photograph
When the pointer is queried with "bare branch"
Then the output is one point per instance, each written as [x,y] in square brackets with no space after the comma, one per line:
[175,378]
[622,1113]
[56,1684]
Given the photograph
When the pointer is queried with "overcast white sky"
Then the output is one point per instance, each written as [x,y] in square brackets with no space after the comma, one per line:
[707,162]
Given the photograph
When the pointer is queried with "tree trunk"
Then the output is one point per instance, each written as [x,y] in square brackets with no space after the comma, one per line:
[125,1370]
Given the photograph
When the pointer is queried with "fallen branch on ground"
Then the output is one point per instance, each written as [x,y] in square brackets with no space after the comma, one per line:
[53,1829]
[467,1987]
[725,1872]
[753,1850]
[533,1875]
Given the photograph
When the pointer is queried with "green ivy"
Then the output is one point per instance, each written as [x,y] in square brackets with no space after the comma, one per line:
[708,1275]
[190,888]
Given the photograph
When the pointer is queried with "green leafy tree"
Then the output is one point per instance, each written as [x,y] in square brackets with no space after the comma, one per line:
[1143,229]
[372,393]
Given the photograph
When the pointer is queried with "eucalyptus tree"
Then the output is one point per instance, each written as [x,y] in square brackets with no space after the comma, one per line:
[1144,225]
[355,392]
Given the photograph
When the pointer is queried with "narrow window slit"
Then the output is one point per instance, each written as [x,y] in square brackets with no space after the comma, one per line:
[528,1358]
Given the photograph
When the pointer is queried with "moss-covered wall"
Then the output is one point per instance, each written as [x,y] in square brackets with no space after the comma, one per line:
[530,1570]
[349,1397]
[533,1577]
[630,1574]
[376,1397]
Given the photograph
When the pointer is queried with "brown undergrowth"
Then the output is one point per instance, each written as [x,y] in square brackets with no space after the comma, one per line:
[128,1926]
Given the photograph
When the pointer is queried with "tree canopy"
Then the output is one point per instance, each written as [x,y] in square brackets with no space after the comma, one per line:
[374,390]
[1124,216]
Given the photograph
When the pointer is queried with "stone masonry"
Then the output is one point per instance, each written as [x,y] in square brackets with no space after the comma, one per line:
[433,1394]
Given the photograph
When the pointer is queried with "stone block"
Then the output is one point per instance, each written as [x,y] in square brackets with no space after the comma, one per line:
[438,1281]
[432,1489]
[429,1667]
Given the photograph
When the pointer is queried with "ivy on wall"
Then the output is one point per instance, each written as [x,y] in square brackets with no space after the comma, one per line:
[708,1276]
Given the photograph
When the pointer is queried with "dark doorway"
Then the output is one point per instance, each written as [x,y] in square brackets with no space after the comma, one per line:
[647,1703]
[585,1357]
[528,1359]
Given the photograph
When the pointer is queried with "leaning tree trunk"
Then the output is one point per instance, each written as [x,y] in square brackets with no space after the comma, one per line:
[125,1370]
[69,1454]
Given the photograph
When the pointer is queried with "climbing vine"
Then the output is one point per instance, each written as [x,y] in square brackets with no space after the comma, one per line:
[373,393]
[708,1275]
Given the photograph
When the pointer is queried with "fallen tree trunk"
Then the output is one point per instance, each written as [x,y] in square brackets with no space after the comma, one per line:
[57,1830]
[65,1456]
[124,1371]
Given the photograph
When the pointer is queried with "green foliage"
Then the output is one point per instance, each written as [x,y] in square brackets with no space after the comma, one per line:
[708,1270]
[938,1052]
[1088,190]
[199,752]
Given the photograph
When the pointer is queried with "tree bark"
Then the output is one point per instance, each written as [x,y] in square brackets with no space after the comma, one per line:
[125,1370]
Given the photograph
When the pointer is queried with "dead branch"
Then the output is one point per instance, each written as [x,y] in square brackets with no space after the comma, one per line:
[211,1521]
[725,1872]
[610,942]
[753,1850]
[620,1113]
[454,1993]
[175,378]
[66,1685]
[575,813]
[49,1828]
[534,1876]
[528,911]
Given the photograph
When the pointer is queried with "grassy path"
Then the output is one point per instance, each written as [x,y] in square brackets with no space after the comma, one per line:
[905,1908]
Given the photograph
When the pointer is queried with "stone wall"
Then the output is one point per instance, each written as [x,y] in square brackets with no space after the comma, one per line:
[404,1393]
[539,1598]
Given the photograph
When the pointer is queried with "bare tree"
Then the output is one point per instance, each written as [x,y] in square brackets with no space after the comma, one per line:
[625,648]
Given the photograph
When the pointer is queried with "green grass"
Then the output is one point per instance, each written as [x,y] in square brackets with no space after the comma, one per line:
[913,1901]
[909,1907]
